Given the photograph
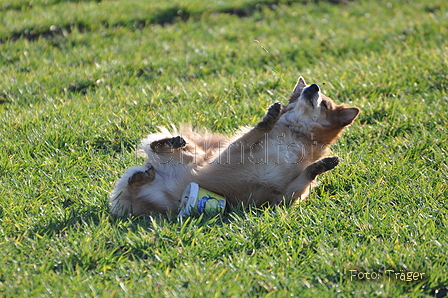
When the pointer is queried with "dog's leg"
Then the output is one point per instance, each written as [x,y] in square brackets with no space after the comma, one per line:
[168,144]
[299,187]
[263,127]
[233,154]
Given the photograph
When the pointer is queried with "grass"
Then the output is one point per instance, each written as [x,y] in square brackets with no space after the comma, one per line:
[83,81]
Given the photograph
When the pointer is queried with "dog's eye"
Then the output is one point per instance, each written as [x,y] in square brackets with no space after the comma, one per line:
[324,104]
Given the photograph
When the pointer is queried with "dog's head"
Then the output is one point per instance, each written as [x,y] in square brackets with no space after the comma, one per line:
[322,117]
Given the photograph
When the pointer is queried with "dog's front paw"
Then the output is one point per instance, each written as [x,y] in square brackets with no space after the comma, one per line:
[142,177]
[275,111]
[272,115]
[330,163]
[322,166]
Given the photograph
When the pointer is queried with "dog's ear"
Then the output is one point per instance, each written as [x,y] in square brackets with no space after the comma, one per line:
[347,115]
[297,90]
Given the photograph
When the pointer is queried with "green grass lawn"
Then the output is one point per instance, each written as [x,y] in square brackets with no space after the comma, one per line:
[83,81]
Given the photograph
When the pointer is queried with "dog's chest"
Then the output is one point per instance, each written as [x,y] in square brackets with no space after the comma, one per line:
[288,150]
[280,149]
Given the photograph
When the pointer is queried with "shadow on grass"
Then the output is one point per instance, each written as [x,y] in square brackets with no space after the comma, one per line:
[33,34]
[3,99]
[30,4]
[169,15]
[73,217]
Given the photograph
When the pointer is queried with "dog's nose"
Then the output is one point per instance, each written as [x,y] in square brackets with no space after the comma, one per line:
[314,88]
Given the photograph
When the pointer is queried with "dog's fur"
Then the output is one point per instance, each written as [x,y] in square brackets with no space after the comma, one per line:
[276,161]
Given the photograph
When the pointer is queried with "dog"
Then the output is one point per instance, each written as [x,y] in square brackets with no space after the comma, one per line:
[276,161]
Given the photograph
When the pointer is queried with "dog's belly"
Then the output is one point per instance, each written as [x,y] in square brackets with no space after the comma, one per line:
[269,170]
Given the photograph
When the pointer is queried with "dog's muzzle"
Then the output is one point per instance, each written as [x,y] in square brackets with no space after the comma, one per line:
[311,94]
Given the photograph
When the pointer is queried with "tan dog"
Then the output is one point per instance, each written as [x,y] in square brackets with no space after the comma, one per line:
[276,161]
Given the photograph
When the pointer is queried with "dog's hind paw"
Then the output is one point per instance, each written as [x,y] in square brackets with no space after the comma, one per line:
[142,177]
[178,142]
[168,144]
